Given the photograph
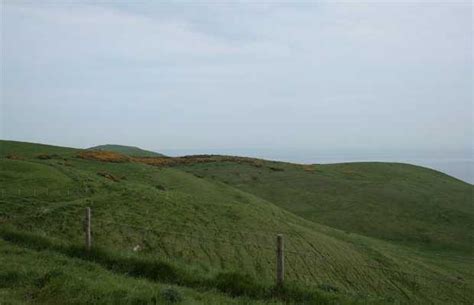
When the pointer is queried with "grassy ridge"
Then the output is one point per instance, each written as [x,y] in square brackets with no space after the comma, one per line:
[215,227]
[15,149]
[396,202]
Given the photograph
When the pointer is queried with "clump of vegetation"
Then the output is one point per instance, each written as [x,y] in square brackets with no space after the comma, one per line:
[328,288]
[104,156]
[110,176]
[237,284]
[276,169]
[171,295]
[48,156]
[13,157]
[160,187]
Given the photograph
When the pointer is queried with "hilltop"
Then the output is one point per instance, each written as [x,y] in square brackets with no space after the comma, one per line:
[197,227]
[131,151]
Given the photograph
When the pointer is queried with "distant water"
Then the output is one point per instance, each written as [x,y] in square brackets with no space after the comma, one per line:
[457,165]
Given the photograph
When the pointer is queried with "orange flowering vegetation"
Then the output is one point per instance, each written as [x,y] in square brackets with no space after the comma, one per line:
[104,156]
[107,156]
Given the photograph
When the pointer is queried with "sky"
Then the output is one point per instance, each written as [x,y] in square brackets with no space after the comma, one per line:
[347,77]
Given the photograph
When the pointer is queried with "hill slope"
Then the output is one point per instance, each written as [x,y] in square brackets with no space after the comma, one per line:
[131,151]
[173,227]
[391,201]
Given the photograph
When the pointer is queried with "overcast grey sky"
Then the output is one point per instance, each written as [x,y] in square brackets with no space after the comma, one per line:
[346,76]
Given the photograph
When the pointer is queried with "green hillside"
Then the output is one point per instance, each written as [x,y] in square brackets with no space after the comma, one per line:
[391,201]
[159,231]
[131,151]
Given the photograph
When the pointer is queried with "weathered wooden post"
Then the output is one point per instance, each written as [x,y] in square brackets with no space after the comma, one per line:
[280,264]
[87,229]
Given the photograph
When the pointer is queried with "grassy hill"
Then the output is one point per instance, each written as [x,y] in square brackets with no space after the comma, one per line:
[159,231]
[391,201]
[131,151]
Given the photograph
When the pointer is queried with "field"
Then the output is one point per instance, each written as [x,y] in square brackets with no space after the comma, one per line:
[202,230]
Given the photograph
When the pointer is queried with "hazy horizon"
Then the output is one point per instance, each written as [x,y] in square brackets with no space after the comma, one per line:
[351,79]
[456,164]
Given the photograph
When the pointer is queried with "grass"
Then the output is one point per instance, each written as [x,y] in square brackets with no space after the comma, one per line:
[228,284]
[400,203]
[48,277]
[59,261]
[131,151]
[209,235]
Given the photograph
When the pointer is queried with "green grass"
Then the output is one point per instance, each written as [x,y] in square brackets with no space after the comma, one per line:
[215,237]
[30,276]
[396,202]
[131,151]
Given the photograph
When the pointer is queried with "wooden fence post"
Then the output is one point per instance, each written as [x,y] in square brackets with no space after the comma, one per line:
[280,263]
[87,229]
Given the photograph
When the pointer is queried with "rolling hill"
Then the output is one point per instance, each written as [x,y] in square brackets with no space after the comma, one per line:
[131,151]
[195,230]
[396,202]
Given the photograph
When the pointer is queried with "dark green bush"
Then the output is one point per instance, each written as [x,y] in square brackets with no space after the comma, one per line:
[237,284]
[171,295]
